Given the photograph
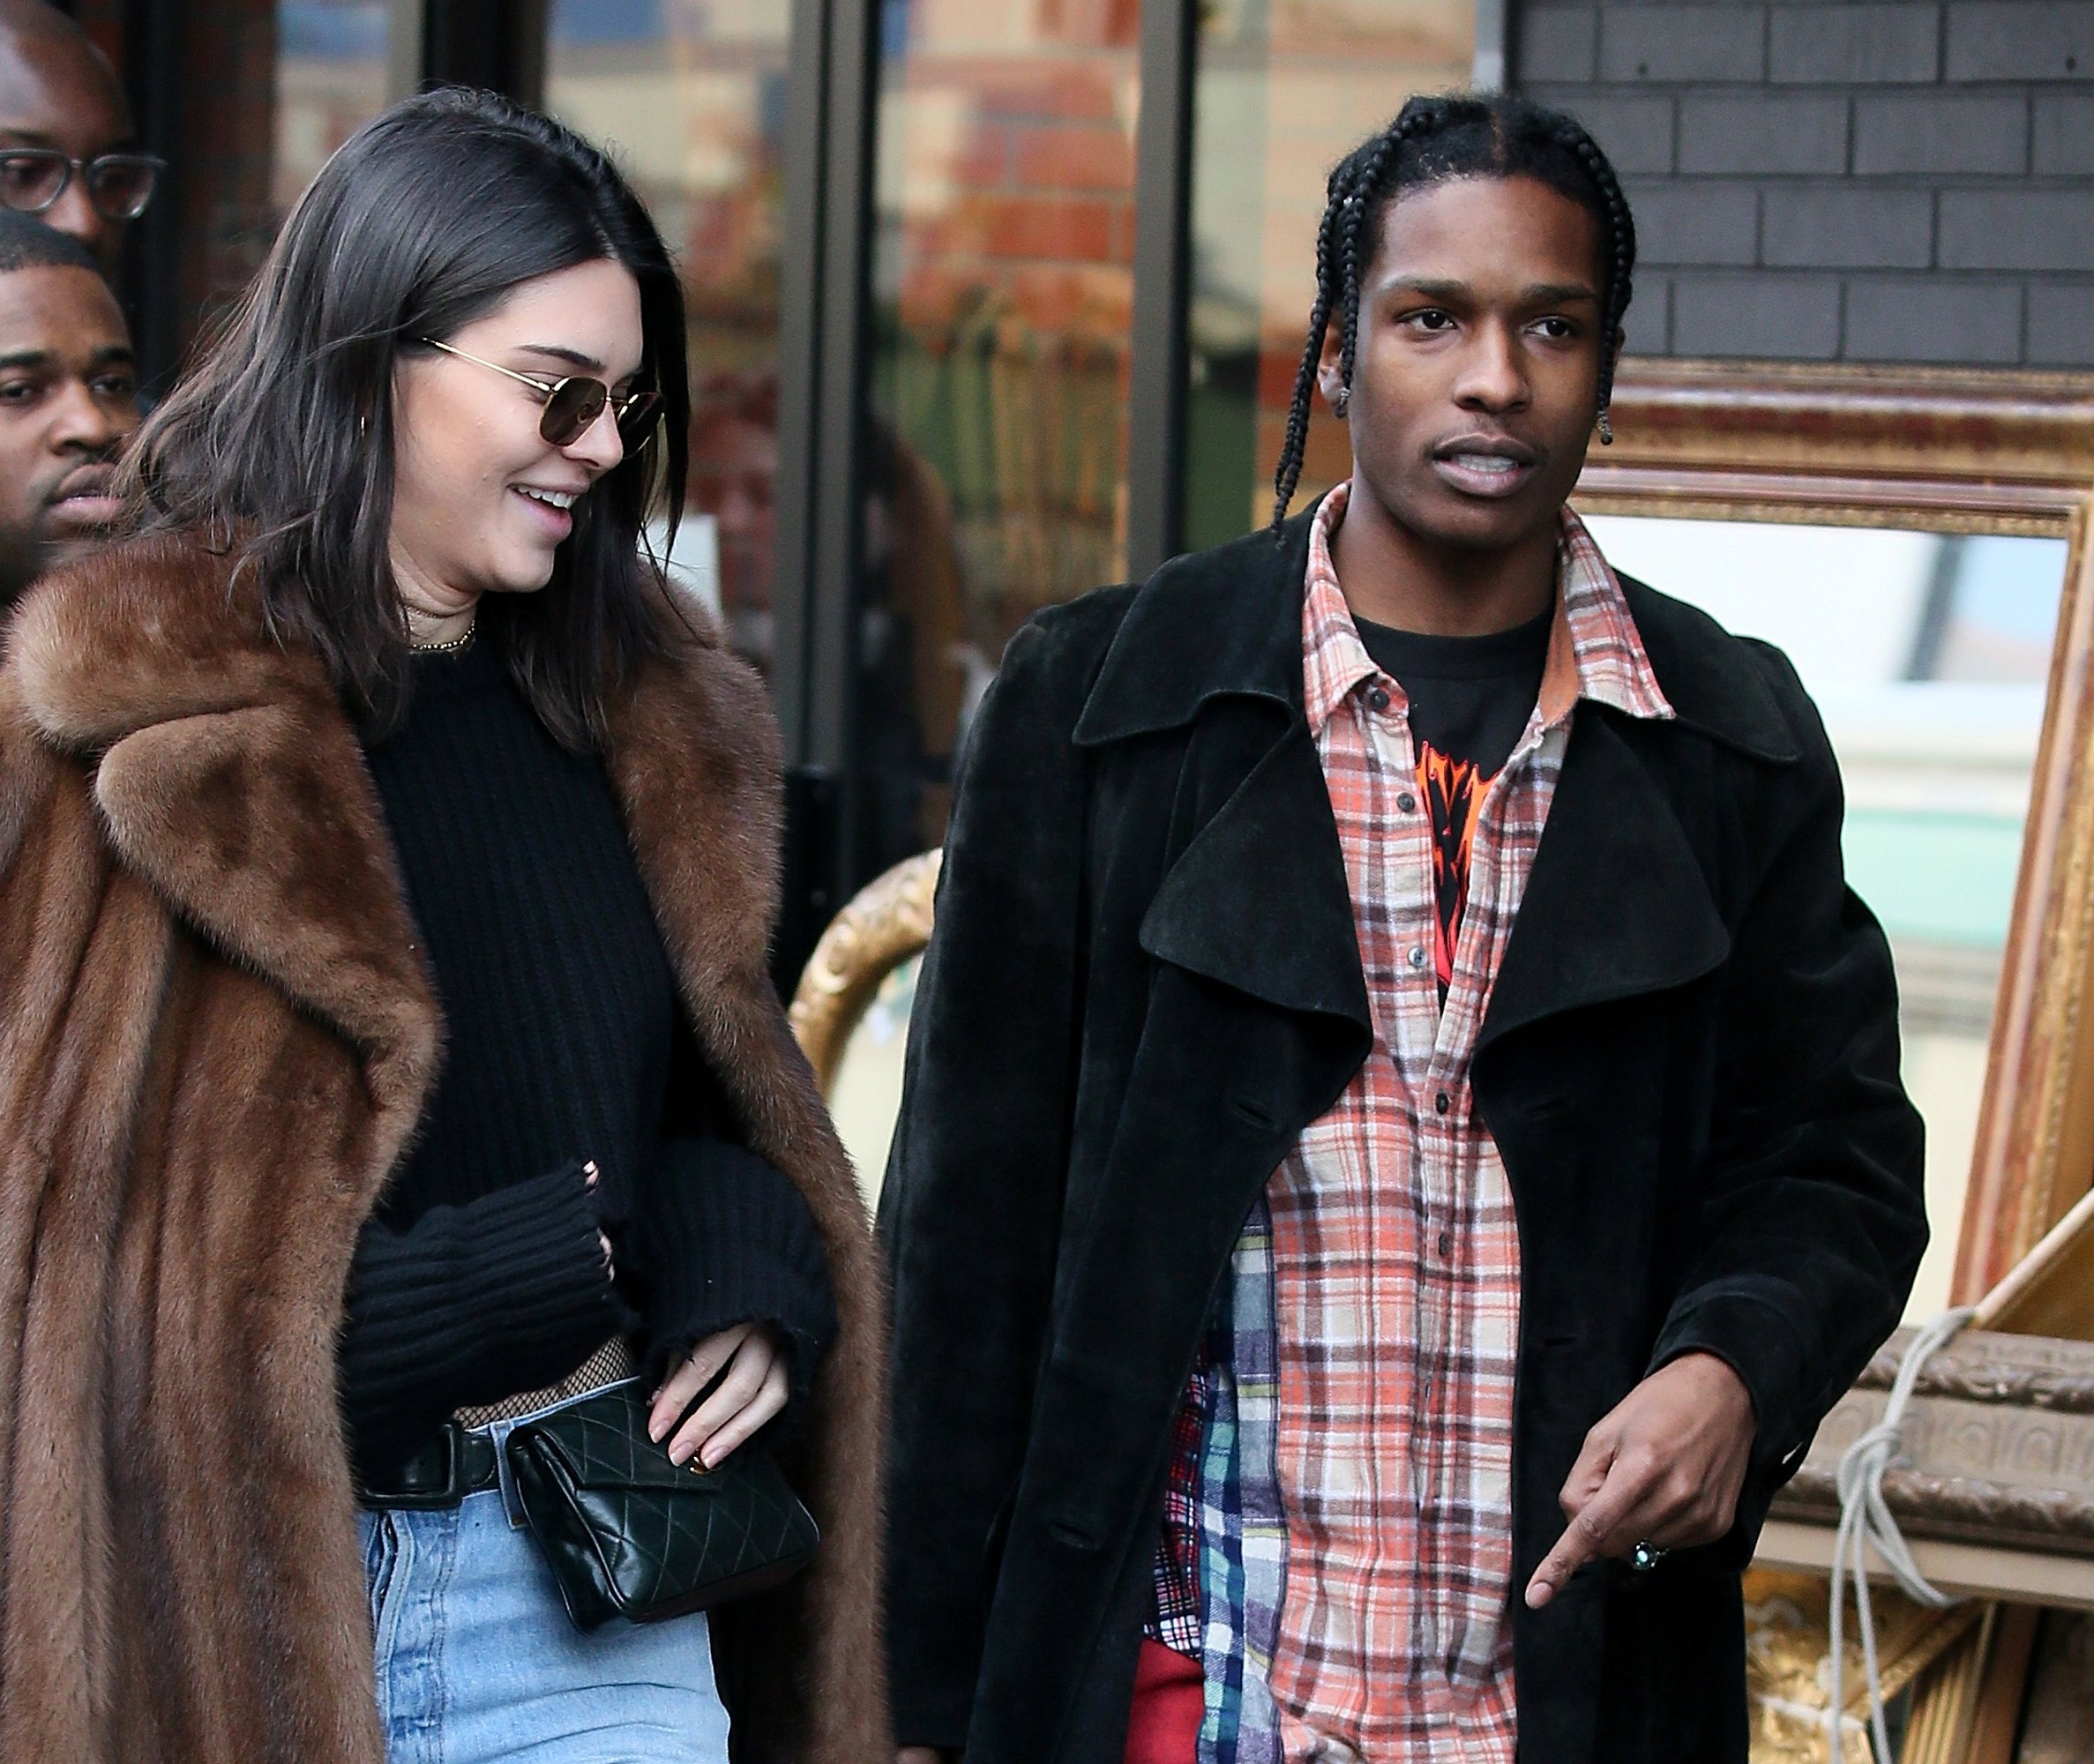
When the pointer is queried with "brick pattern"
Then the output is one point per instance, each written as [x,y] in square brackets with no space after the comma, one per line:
[1894,181]
[1004,281]
[1017,181]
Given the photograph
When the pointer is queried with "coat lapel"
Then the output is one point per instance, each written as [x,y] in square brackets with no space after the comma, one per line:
[227,777]
[1257,899]
[1260,900]
[693,756]
[1617,904]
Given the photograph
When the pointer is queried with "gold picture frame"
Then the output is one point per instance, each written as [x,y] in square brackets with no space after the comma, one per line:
[1952,450]
[880,927]
[1940,449]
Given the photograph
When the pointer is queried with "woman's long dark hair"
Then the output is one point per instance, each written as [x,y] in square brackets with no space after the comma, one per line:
[281,443]
[1471,134]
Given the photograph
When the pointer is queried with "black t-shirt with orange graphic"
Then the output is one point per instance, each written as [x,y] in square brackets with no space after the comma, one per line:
[1470,698]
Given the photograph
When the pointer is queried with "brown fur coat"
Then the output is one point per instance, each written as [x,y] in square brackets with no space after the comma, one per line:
[216,1037]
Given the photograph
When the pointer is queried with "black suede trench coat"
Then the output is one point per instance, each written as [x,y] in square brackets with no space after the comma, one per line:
[1145,983]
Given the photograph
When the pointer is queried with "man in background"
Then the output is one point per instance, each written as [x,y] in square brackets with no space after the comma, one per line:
[68,153]
[68,399]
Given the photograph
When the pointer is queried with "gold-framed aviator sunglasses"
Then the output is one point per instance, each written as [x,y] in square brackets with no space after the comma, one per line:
[573,401]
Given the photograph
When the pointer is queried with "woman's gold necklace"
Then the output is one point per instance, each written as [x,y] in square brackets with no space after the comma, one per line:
[453,646]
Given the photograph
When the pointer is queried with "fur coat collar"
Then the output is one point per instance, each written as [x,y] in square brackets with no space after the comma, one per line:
[216,1038]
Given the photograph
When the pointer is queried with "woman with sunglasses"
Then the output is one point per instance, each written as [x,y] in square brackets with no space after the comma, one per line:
[387,1054]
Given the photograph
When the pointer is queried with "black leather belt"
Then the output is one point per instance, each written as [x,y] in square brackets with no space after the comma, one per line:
[454,1462]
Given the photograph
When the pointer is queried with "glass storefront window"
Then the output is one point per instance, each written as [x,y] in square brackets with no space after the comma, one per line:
[994,475]
[689,97]
[331,68]
[1285,88]
[300,77]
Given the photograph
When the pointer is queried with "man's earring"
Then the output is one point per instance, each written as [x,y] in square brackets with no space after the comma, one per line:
[1343,402]
[1606,430]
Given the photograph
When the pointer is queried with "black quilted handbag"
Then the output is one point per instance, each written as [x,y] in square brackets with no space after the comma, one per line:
[630,1535]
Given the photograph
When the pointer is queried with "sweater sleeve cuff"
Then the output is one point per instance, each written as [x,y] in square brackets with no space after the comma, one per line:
[535,1257]
[508,1291]
[731,1241]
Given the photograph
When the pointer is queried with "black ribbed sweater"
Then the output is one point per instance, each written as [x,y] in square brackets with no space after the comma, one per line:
[481,1274]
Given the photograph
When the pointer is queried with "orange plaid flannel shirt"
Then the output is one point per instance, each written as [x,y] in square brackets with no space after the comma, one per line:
[1396,1252]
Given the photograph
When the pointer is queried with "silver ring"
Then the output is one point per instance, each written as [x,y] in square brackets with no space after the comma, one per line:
[1646,1555]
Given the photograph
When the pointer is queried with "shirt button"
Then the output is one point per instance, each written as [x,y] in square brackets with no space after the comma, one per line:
[1447,1245]
[1378,698]
[1443,1103]
[1407,803]
[1418,956]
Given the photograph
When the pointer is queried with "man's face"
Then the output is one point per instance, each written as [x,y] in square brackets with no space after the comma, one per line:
[68,397]
[1475,377]
[734,478]
[58,92]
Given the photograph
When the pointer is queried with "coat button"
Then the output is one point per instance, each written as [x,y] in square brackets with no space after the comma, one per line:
[1378,698]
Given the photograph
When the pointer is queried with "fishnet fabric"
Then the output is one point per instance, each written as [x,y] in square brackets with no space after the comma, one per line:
[611,1362]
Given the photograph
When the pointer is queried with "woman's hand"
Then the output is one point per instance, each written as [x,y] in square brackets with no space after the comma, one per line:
[752,1392]
[611,1269]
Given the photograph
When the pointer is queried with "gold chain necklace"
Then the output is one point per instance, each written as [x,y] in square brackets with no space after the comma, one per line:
[454,647]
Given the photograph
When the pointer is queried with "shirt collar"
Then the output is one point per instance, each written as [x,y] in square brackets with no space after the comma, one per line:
[1593,650]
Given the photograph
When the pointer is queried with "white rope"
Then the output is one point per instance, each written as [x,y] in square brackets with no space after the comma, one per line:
[1866,1521]
[1807,1715]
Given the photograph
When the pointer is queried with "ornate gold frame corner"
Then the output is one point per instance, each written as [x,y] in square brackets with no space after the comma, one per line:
[883,924]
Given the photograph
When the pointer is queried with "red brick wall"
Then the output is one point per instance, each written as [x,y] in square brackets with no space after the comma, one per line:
[1044,195]
[1007,208]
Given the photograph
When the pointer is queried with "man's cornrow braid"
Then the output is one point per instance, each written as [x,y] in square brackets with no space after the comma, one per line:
[1359,204]
[1351,195]
[1304,379]
[1622,259]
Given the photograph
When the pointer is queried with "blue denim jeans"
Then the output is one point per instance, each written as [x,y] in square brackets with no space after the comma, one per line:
[476,1660]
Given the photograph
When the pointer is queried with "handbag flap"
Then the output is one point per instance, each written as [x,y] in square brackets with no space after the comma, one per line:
[601,1443]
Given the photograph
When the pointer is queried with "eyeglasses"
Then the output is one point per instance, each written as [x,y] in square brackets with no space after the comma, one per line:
[574,401]
[118,184]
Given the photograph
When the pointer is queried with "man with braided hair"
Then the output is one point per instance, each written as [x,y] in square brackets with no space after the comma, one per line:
[1403,1139]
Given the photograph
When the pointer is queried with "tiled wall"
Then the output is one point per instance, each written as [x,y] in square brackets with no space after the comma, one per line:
[1905,181]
